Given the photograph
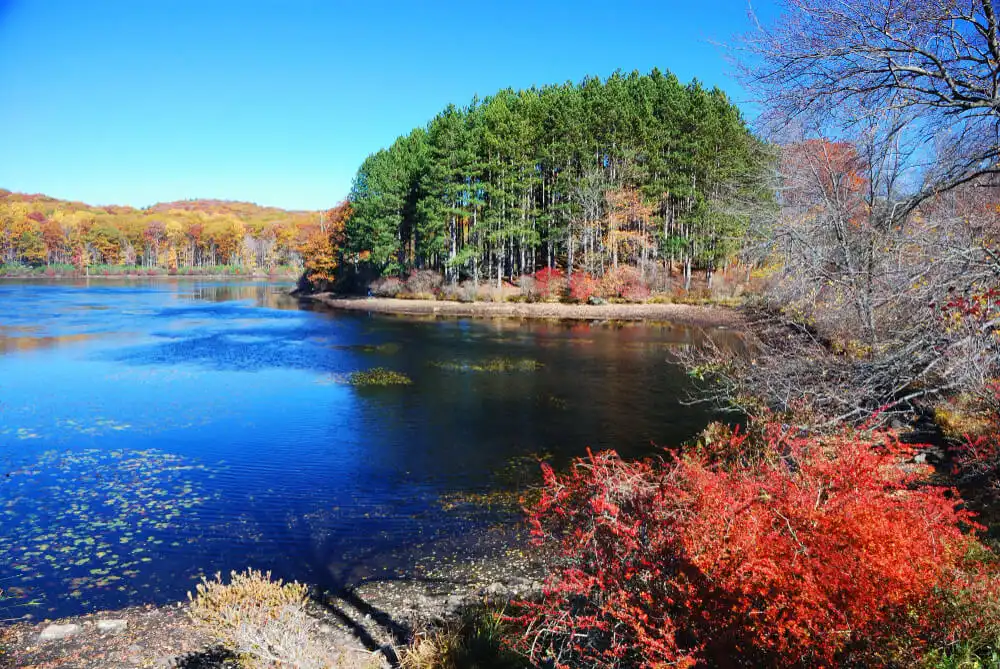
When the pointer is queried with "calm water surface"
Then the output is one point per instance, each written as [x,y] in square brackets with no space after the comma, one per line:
[154,431]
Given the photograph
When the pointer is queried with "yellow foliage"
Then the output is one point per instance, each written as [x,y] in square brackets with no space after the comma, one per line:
[251,592]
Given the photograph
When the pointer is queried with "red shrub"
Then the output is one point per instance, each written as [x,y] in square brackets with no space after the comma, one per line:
[583,286]
[977,456]
[812,552]
[549,283]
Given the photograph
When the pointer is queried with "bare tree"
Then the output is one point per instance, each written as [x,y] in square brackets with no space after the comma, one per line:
[889,113]
[901,71]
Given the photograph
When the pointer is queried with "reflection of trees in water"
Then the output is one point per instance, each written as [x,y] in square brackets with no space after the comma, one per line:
[263,294]
[16,344]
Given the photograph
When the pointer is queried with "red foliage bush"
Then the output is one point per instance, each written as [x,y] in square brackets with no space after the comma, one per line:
[625,282]
[782,551]
[977,456]
[549,283]
[583,286]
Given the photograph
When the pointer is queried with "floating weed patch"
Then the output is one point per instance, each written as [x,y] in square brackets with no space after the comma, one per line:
[492,365]
[555,402]
[99,426]
[334,379]
[379,376]
[504,500]
[80,522]
[390,348]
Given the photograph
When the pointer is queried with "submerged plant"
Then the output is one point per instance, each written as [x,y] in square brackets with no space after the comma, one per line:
[93,520]
[494,365]
[379,376]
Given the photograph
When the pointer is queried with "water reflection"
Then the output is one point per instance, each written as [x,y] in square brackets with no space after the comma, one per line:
[218,393]
[26,343]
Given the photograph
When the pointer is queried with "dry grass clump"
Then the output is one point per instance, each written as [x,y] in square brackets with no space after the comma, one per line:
[962,417]
[249,593]
[266,624]
[476,641]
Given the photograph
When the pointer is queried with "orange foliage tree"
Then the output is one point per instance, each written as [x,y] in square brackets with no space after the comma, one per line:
[322,247]
[36,230]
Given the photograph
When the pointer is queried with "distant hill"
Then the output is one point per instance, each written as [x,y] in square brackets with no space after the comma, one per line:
[205,205]
[37,231]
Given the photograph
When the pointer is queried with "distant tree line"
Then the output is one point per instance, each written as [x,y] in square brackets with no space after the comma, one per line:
[635,169]
[38,232]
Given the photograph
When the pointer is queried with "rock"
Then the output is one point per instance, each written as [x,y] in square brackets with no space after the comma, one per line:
[455,601]
[930,454]
[112,625]
[53,632]
[496,589]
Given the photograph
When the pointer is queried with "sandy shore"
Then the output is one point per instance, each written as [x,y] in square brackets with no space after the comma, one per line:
[282,278]
[361,628]
[703,316]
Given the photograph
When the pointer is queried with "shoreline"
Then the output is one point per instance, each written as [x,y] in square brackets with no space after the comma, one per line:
[708,316]
[364,625]
[140,277]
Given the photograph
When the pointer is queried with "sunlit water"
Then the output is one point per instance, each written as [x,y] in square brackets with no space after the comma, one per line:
[152,432]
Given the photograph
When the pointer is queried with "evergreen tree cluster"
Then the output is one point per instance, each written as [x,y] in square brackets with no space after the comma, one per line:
[529,179]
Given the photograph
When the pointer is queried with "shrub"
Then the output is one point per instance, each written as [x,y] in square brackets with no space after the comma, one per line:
[529,288]
[424,282]
[977,454]
[216,603]
[490,293]
[265,622]
[550,283]
[583,286]
[387,286]
[477,640]
[625,282]
[463,292]
[783,550]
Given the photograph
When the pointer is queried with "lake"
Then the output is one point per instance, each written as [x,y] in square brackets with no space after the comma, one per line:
[153,431]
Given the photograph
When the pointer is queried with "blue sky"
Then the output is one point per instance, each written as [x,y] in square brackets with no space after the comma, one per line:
[277,102]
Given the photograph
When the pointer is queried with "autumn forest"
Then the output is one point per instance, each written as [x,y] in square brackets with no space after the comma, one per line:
[42,234]
[635,170]
[827,272]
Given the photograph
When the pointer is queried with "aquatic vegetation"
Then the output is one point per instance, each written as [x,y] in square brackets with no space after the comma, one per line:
[501,500]
[379,376]
[388,348]
[91,519]
[492,365]
[96,427]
